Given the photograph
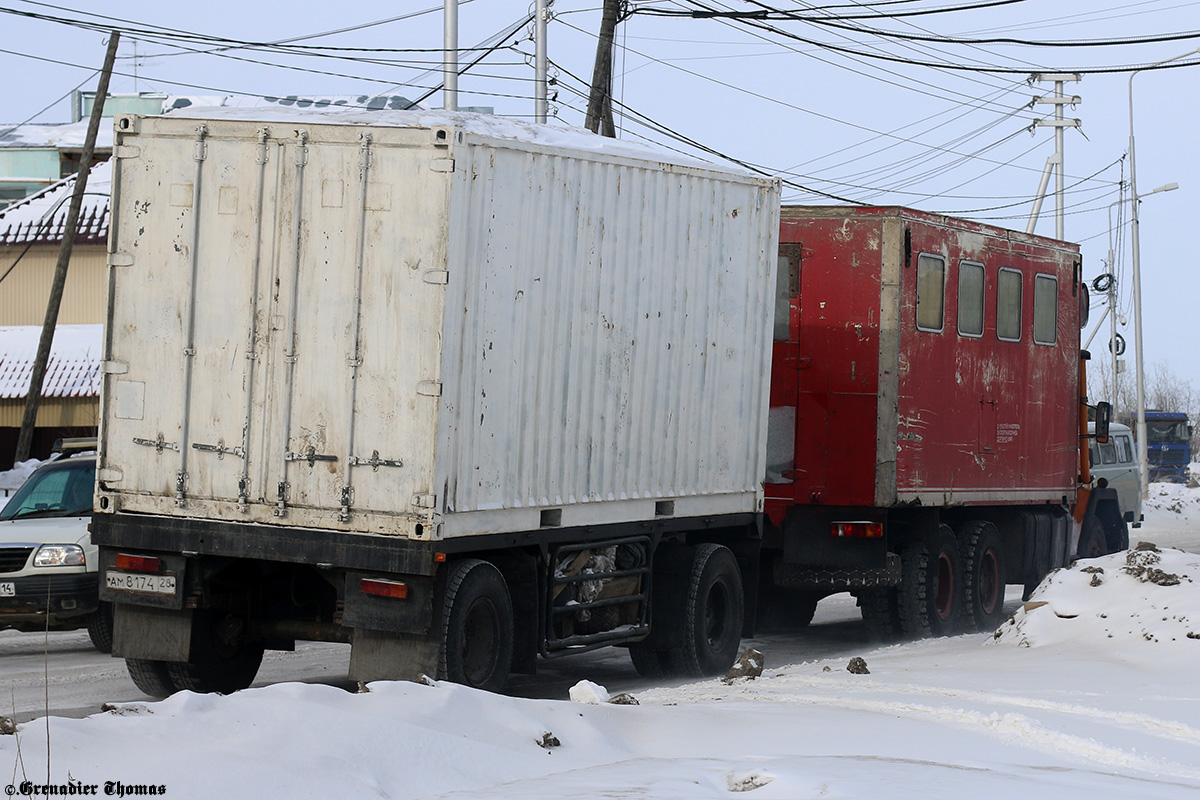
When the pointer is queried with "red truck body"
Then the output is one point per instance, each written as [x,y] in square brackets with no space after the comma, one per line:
[890,412]
[927,394]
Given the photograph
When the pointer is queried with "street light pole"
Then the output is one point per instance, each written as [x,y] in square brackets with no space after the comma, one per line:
[1111,311]
[1143,459]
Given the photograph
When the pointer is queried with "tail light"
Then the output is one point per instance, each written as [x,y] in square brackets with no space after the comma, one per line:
[856,530]
[137,563]
[381,587]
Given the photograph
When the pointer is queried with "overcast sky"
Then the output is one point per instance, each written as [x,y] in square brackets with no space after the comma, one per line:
[884,119]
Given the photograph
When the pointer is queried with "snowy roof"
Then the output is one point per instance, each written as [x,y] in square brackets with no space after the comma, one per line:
[41,217]
[68,135]
[362,102]
[72,371]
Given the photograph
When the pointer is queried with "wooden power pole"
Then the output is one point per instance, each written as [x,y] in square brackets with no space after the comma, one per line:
[599,110]
[64,256]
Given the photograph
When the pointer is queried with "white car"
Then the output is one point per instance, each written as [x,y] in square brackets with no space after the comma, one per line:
[1116,463]
[48,564]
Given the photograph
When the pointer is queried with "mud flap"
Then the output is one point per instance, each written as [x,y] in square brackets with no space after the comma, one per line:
[153,634]
[382,655]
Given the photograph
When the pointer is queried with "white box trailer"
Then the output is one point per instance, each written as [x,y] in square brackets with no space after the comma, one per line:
[349,352]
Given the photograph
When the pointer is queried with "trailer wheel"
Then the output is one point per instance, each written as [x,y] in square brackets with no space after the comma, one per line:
[781,610]
[983,572]
[1092,543]
[220,660]
[880,613]
[650,662]
[929,598]
[150,677]
[100,627]
[477,627]
[713,613]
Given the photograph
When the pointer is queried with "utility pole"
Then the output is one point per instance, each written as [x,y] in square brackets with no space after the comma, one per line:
[25,440]
[539,27]
[450,56]
[599,110]
[1055,162]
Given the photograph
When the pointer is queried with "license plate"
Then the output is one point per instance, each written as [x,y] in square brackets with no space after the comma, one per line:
[8,590]
[133,582]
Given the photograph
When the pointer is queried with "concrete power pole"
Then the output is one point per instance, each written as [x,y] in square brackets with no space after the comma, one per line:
[1055,162]
[450,56]
[599,110]
[25,440]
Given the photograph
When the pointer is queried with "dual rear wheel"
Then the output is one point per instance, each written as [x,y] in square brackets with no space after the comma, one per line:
[704,638]
[950,583]
[220,660]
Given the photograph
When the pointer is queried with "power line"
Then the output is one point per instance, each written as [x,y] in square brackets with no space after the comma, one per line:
[881,56]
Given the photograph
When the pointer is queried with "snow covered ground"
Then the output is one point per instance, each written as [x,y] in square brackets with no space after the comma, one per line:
[1091,690]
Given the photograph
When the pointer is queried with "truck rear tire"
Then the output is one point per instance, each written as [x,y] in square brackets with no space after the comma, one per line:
[787,609]
[651,663]
[1092,542]
[150,677]
[983,573]
[477,627]
[880,613]
[713,613]
[929,598]
[220,661]
[100,627]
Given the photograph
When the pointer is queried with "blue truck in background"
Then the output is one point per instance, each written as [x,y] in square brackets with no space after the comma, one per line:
[1168,445]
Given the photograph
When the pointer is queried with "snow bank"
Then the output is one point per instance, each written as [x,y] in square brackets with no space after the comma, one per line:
[1172,498]
[1146,599]
[13,479]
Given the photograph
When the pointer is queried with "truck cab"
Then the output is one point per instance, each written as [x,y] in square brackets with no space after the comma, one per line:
[1115,463]
[1168,446]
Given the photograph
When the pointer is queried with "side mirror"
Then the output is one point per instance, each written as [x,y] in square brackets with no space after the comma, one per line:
[1103,420]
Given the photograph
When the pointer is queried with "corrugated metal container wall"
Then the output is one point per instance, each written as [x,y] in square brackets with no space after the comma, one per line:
[536,327]
[614,346]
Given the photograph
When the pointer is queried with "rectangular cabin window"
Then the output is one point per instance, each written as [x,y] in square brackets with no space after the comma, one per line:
[1125,449]
[787,286]
[1008,305]
[931,292]
[1108,452]
[1045,309]
[970,299]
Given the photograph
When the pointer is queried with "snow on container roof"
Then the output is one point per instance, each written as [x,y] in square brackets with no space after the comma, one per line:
[488,125]
[72,371]
[41,217]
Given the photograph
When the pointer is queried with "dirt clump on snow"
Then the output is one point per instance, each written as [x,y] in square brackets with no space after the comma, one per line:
[1140,563]
[748,666]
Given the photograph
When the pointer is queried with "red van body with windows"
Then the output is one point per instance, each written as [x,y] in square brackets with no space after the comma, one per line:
[926,383]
